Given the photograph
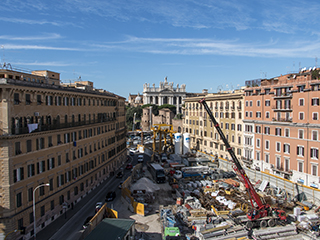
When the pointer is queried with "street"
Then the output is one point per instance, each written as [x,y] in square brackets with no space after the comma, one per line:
[71,227]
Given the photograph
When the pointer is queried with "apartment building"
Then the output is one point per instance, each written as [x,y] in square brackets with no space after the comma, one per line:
[71,136]
[282,126]
[227,108]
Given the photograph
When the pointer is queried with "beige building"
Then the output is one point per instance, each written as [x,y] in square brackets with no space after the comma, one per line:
[227,108]
[71,136]
[282,126]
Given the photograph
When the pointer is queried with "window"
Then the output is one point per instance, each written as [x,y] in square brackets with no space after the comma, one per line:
[29,145]
[19,199]
[31,169]
[300,151]
[315,102]
[258,155]
[315,135]
[258,103]
[267,115]
[267,144]
[50,141]
[267,157]
[278,131]
[315,116]
[300,166]
[301,115]
[40,143]
[278,162]
[42,210]
[41,167]
[286,148]
[30,194]
[18,174]
[258,114]
[314,170]
[49,100]
[28,99]
[17,148]
[300,134]
[267,103]
[16,99]
[287,132]
[258,142]
[278,146]
[266,130]
[314,153]
[39,100]
[239,127]
[52,205]
[258,129]
[50,163]
[301,102]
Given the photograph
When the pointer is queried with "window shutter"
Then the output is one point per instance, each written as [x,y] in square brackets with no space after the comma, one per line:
[22,173]
[15,175]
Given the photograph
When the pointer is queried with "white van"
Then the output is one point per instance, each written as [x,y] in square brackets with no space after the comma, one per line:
[140,158]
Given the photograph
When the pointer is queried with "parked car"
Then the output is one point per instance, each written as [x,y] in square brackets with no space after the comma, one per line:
[86,222]
[98,206]
[110,196]
[129,166]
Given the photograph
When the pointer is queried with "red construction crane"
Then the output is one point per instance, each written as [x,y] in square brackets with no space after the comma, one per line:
[260,214]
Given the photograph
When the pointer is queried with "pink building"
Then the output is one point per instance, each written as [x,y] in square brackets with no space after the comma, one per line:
[281,126]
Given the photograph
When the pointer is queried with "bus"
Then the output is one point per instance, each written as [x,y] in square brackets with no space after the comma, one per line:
[157,172]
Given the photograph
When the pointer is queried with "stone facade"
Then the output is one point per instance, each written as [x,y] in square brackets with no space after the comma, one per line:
[166,116]
[166,93]
[71,136]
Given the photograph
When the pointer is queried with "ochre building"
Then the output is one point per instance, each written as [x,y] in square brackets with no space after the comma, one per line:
[227,108]
[70,136]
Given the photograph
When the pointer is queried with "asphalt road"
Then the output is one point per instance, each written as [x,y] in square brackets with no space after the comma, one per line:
[70,228]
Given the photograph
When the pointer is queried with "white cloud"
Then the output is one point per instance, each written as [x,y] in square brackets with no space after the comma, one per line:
[39,47]
[48,36]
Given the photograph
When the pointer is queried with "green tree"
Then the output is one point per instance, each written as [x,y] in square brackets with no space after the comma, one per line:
[130,114]
[173,108]
[155,108]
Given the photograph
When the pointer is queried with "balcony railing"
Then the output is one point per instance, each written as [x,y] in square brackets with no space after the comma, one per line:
[282,108]
[282,119]
[50,127]
[283,95]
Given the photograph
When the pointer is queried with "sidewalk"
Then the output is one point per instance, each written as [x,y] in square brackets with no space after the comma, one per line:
[54,227]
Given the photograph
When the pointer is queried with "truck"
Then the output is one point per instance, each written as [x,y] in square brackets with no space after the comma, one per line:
[157,172]
[261,214]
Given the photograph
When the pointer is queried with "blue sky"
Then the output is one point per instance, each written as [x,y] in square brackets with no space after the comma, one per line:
[120,45]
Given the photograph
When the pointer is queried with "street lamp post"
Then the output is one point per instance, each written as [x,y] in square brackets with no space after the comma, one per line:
[34,209]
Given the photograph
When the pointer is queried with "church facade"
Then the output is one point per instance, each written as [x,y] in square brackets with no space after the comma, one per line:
[166,93]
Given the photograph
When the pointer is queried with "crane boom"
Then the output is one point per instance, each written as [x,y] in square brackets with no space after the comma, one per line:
[238,168]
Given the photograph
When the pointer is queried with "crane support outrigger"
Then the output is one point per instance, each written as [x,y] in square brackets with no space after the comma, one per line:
[261,214]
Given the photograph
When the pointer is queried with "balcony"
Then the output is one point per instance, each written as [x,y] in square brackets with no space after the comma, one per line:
[239,108]
[56,126]
[232,108]
[282,96]
[282,109]
[221,108]
[282,119]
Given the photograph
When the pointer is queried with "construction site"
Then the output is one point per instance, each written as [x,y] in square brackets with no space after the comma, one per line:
[195,195]
[219,199]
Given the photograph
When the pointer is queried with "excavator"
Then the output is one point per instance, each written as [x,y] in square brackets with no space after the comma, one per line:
[261,214]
